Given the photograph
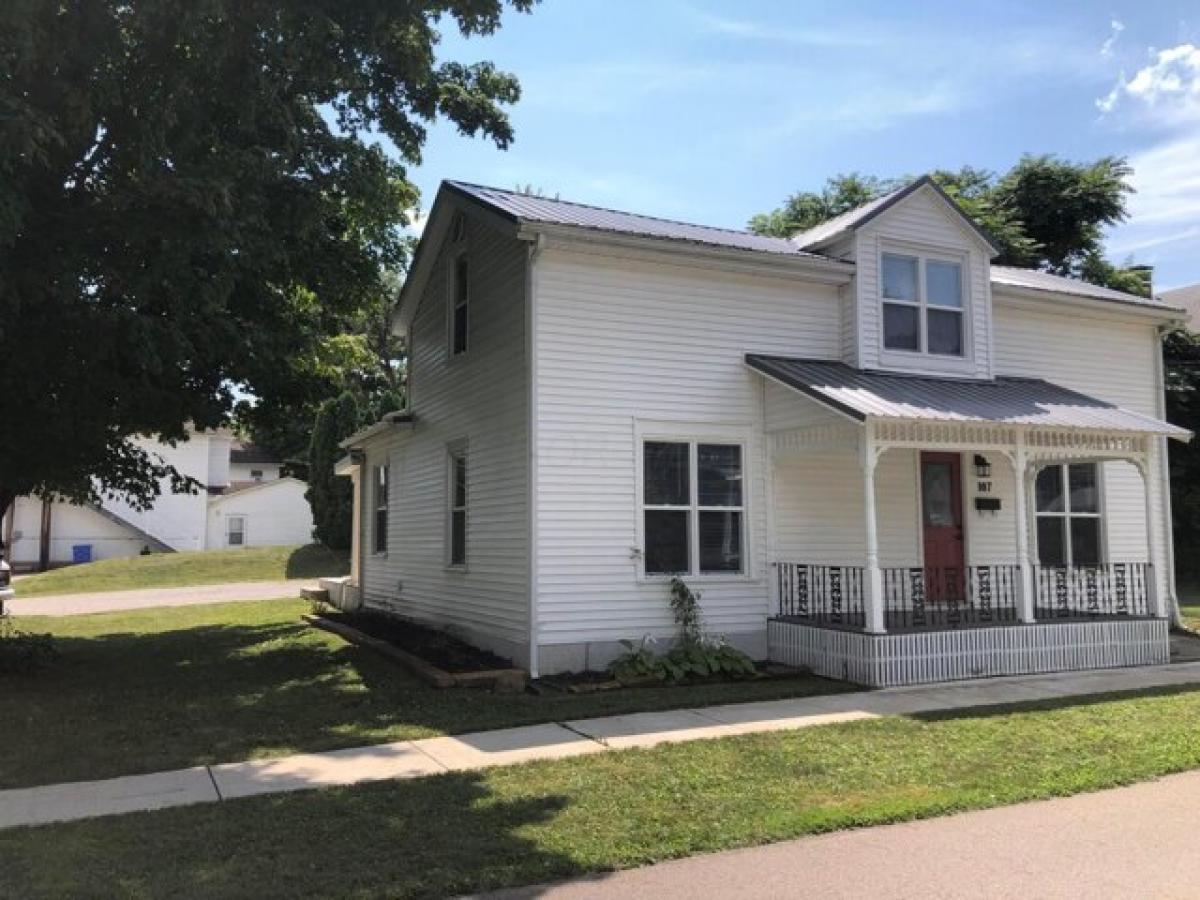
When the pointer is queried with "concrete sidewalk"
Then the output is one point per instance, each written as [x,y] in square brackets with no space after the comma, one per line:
[145,598]
[412,759]
[1126,842]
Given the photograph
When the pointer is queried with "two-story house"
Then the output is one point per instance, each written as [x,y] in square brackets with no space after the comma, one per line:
[874,452]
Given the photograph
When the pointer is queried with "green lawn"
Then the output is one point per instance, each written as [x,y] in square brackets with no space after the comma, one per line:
[183,569]
[455,833]
[166,688]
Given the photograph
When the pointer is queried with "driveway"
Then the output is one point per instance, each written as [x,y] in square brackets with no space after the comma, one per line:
[1129,842]
[144,598]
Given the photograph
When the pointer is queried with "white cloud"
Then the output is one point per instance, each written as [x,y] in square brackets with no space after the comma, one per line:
[1167,90]
[1116,26]
[1164,215]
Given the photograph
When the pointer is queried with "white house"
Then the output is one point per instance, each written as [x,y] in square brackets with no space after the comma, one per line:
[244,503]
[871,450]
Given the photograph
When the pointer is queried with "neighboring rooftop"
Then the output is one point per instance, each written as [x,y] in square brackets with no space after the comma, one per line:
[245,452]
[1007,401]
[1186,298]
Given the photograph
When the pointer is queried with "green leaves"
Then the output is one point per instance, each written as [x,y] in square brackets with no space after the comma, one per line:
[180,214]
[1046,213]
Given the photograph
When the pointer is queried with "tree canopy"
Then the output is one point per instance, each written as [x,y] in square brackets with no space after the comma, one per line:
[1045,212]
[192,204]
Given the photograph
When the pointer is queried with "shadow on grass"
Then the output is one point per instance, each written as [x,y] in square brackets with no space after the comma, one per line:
[1052,703]
[125,703]
[430,837]
[317,561]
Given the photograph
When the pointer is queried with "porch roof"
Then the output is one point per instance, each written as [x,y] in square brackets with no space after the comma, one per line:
[862,394]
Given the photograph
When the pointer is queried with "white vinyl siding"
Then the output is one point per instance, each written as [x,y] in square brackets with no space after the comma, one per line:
[1109,358]
[481,398]
[622,342]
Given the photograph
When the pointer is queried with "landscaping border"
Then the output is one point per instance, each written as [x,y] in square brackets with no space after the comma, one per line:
[502,680]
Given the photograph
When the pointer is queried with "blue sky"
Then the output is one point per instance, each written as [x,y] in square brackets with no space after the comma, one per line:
[710,112]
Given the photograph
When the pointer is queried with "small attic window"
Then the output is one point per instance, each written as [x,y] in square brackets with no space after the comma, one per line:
[458,228]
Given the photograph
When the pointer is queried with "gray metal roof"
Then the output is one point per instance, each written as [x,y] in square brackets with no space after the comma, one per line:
[1031,279]
[861,394]
[544,210]
[861,215]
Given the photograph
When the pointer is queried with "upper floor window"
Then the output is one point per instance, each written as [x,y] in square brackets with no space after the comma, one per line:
[460,301]
[922,305]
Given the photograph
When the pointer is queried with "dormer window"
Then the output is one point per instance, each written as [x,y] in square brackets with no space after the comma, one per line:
[922,304]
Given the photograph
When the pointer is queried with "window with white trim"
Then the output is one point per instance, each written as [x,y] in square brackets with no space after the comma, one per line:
[456,525]
[235,531]
[381,508]
[922,305]
[1067,504]
[693,508]
[460,304]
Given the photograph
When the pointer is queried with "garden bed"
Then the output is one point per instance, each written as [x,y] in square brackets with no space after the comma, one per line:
[434,656]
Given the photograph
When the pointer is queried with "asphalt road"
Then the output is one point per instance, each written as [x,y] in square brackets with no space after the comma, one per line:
[1137,841]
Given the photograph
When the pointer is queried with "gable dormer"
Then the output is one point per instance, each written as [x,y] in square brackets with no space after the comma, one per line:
[921,299]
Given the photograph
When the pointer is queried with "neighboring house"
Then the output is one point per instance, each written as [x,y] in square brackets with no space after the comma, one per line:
[243,502]
[1188,298]
[872,451]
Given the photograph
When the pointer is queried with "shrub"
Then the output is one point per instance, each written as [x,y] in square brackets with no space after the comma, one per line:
[696,654]
[22,652]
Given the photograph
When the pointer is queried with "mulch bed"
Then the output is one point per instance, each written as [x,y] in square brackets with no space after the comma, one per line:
[438,648]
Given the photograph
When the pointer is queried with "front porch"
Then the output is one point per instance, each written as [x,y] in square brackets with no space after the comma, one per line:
[929,530]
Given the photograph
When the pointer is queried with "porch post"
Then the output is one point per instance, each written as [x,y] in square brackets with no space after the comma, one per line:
[1026,596]
[1155,600]
[872,575]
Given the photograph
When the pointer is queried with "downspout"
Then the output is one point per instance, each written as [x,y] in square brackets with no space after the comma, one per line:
[535,247]
[1160,406]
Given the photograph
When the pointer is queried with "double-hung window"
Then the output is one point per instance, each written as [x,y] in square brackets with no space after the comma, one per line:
[460,302]
[923,305]
[456,527]
[1067,501]
[693,508]
[381,509]
[235,531]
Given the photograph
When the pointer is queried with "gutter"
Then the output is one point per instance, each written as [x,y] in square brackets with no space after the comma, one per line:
[391,419]
[1160,407]
[535,247]
[1007,292]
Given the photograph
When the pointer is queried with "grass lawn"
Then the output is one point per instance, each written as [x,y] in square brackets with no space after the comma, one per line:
[455,833]
[167,688]
[184,569]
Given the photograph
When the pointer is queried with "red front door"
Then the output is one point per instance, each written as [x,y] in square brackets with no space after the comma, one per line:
[942,526]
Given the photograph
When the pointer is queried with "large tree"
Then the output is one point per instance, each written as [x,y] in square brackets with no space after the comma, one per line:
[1045,212]
[191,202]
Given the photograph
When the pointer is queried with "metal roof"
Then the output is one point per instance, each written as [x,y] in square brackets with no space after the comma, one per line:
[544,210]
[525,208]
[860,394]
[1031,279]
[244,452]
[861,215]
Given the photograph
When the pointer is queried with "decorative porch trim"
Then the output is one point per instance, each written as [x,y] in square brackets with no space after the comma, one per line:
[889,660]
[814,438]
